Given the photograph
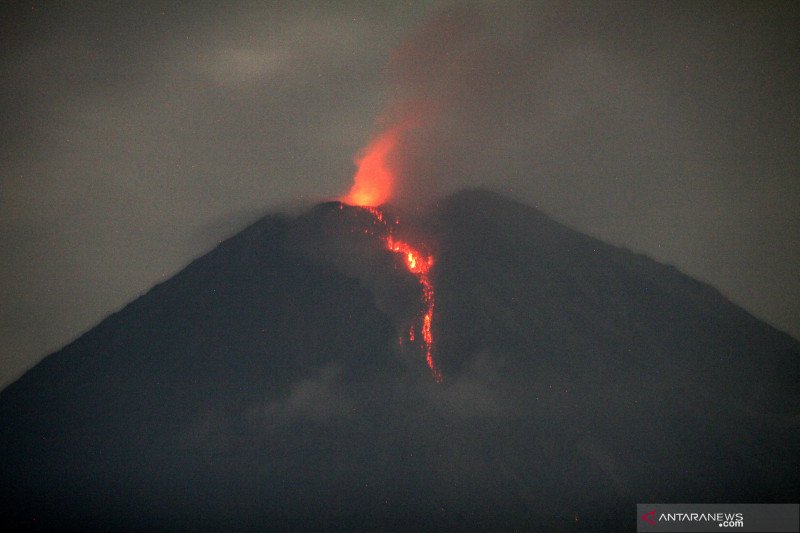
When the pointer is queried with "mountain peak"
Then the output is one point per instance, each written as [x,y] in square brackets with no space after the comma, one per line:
[273,381]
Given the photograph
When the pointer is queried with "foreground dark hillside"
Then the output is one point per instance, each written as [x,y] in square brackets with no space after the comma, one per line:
[264,386]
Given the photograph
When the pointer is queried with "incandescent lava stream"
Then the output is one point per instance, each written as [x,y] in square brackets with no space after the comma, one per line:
[373,185]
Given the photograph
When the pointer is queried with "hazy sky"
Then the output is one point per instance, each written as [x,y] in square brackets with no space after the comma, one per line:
[137,136]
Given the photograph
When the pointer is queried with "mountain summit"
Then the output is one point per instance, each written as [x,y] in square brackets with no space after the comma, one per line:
[272,384]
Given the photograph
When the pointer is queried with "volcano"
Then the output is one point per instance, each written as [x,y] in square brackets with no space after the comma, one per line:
[280,381]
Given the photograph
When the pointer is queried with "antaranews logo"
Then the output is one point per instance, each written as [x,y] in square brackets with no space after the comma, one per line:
[650,517]
[724,519]
[717,517]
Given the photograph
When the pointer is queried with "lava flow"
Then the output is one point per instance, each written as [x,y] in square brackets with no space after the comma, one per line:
[418,264]
[374,183]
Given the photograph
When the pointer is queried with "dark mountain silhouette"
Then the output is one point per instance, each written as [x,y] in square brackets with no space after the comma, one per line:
[264,387]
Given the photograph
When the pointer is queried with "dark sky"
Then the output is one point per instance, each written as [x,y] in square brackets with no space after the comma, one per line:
[137,136]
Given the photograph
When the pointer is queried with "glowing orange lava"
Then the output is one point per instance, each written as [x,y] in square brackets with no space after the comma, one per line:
[419,265]
[373,183]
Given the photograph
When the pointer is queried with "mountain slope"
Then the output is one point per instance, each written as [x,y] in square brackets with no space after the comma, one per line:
[264,385]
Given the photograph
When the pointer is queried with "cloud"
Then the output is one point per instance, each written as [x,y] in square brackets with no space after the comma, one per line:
[234,65]
[476,391]
[321,399]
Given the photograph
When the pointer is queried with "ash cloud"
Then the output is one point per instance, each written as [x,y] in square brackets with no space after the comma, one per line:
[671,130]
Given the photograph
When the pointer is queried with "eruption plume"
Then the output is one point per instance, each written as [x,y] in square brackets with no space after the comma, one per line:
[374,182]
